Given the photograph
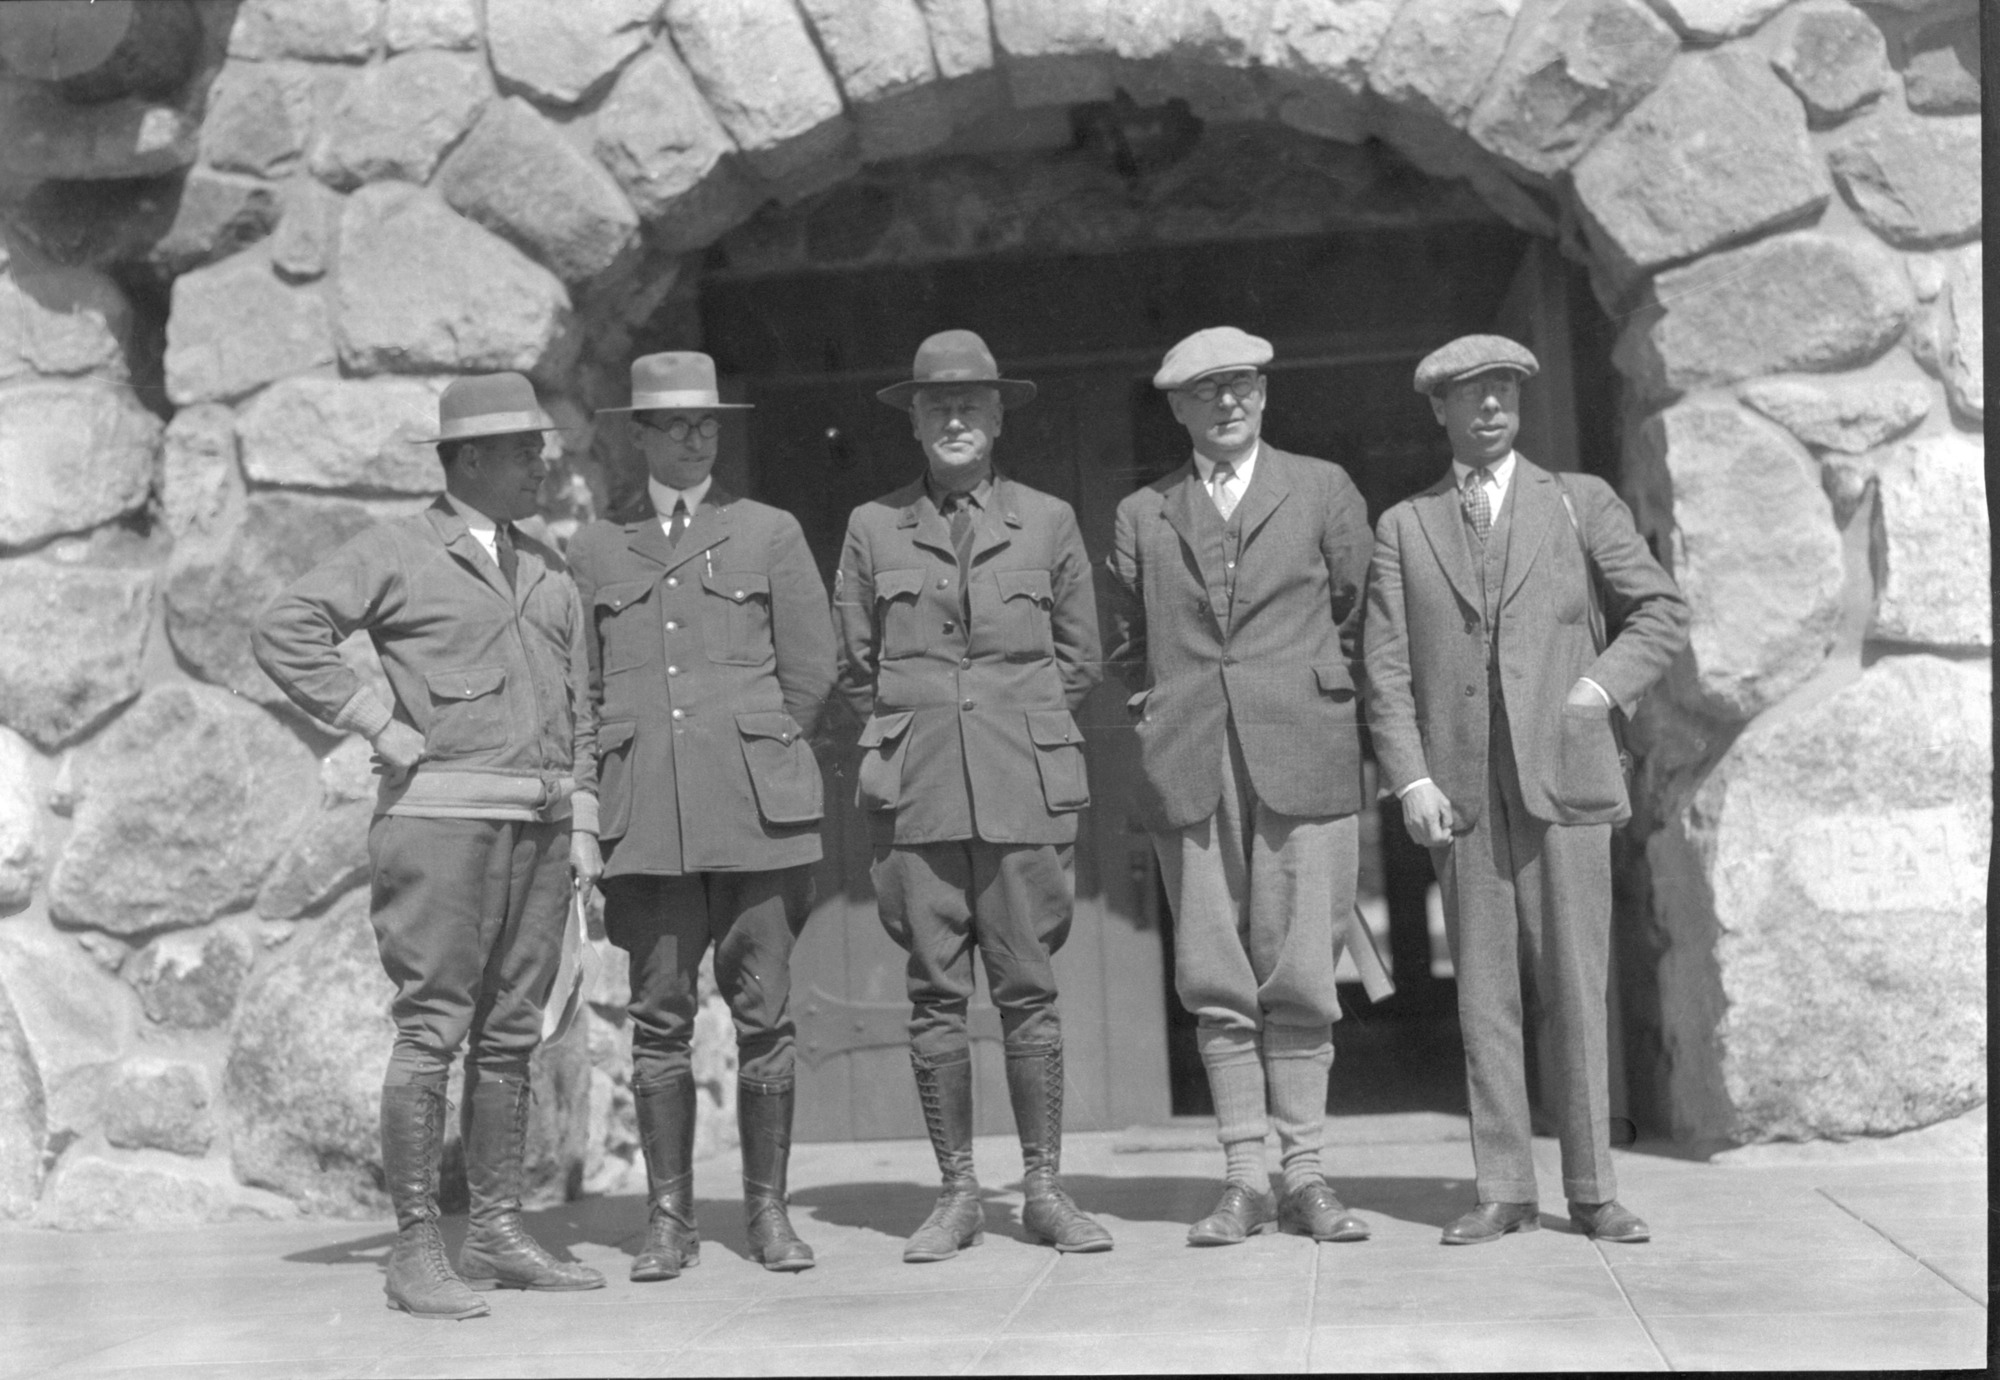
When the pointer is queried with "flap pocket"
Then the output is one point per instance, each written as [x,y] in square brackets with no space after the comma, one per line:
[1333,679]
[736,586]
[1053,728]
[769,723]
[1059,756]
[468,684]
[613,734]
[885,728]
[1025,584]
[893,584]
[623,594]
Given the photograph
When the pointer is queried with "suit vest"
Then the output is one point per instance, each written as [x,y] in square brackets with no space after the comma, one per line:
[1221,548]
[1489,562]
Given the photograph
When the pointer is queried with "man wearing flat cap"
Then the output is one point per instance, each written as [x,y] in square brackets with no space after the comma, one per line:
[711,653]
[968,636]
[1236,583]
[1491,686]
[487,802]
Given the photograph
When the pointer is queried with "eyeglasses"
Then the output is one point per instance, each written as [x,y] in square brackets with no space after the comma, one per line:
[680,428]
[1238,386]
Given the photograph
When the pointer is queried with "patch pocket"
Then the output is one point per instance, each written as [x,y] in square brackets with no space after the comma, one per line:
[1590,778]
[1026,602]
[1059,754]
[614,777]
[885,742]
[783,771]
[621,613]
[898,624]
[736,617]
[1334,681]
[468,711]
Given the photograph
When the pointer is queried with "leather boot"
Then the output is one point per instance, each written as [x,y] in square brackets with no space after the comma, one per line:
[421,1281]
[498,1252]
[959,1218]
[1035,1085]
[764,1123]
[666,1135]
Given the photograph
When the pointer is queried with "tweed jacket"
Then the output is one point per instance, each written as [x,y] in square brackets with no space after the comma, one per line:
[710,662]
[1279,659]
[1429,647]
[969,727]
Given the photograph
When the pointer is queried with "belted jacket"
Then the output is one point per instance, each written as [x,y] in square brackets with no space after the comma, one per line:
[969,717]
[710,662]
[495,679]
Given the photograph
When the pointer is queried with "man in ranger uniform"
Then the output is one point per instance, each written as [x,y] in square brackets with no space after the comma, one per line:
[710,658]
[968,635]
[487,802]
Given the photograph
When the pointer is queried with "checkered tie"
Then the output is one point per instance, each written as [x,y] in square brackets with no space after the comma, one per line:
[1225,501]
[1478,508]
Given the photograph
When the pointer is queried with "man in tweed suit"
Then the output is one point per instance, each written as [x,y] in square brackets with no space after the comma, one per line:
[1236,585]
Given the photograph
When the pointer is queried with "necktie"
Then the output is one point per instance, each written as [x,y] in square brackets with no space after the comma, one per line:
[677,525]
[961,542]
[1219,481]
[504,554]
[1478,508]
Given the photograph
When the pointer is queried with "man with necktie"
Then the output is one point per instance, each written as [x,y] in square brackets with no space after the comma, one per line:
[1236,583]
[487,805]
[711,653]
[968,635]
[1489,697]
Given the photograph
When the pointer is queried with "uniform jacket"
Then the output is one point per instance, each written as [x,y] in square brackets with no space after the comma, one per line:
[1279,659]
[1428,646]
[494,679]
[969,730]
[709,663]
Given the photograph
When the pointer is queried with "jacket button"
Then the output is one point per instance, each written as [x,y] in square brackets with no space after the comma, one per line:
[680,714]
[673,670]
[672,626]
[1201,606]
[966,705]
[949,626]
[673,580]
[1470,690]
[965,663]
[739,596]
[944,582]
[784,737]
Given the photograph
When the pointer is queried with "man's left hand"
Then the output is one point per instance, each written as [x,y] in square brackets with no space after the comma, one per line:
[1588,694]
[585,861]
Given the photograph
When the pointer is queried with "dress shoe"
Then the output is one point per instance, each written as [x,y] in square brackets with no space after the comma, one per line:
[1312,1210]
[1611,1221]
[1240,1213]
[1491,1221]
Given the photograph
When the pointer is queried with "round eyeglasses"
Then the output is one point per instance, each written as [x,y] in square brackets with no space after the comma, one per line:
[680,428]
[1238,386]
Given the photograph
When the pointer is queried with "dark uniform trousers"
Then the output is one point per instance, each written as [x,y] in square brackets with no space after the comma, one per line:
[468,917]
[664,924]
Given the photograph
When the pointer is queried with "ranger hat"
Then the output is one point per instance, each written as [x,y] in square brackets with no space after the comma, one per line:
[1473,354]
[1209,352]
[488,405]
[951,357]
[676,379]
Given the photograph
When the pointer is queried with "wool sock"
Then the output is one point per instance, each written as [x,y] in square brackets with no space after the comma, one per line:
[1297,1060]
[1236,1082]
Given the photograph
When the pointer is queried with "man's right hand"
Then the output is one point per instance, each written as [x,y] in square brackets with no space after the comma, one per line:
[1427,815]
[398,749]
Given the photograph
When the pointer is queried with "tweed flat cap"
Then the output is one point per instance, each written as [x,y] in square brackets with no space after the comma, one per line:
[1205,352]
[1473,354]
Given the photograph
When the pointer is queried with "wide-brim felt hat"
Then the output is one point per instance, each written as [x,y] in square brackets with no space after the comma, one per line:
[676,380]
[488,405]
[1473,354]
[955,357]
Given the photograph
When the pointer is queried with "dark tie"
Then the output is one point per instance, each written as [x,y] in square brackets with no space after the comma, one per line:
[961,542]
[677,525]
[503,552]
[1478,508]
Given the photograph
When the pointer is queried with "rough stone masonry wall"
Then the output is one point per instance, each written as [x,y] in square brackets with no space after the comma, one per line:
[354,200]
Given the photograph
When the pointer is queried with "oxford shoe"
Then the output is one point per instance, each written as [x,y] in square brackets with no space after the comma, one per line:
[1240,1213]
[1313,1210]
[1611,1221]
[1491,1221]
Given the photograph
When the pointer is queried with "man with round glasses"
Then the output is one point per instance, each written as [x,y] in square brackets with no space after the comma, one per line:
[711,652]
[1236,586]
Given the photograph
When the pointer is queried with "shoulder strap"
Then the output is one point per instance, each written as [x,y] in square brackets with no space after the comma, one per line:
[1596,609]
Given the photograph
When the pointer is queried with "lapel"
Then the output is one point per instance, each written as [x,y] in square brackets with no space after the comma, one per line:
[921,521]
[1267,490]
[708,526]
[528,570]
[1535,508]
[459,541]
[1438,514]
[998,521]
[1177,506]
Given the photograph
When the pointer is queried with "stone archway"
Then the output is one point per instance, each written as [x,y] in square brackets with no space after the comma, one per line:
[354,199]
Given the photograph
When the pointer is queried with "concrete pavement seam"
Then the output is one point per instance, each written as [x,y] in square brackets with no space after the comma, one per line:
[1983,1303]
[1041,1276]
[1623,1293]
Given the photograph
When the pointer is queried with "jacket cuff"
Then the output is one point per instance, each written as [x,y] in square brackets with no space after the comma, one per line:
[583,812]
[364,713]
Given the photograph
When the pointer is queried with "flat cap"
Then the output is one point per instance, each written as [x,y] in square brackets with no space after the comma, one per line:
[1205,352]
[1473,354]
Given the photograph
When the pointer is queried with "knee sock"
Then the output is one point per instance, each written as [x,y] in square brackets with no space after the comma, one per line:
[1236,1082]
[1297,1060]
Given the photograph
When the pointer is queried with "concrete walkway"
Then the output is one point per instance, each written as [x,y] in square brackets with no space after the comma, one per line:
[1804,1265]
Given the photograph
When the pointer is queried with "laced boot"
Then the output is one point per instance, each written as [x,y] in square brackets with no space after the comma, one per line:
[764,1122]
[421,1281]
[1035,1085]
[666,1135]
[959,1219]
[498,1252]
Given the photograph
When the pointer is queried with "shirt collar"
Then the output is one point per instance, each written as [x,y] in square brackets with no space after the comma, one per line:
[665,495]
[1204,467]
[979,493]
[1500,471]
[474,519]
